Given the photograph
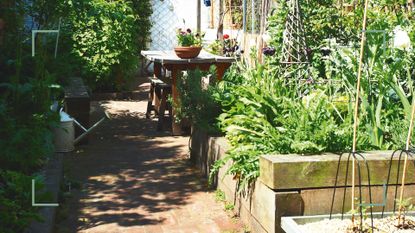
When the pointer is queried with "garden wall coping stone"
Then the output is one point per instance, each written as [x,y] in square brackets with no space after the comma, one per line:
[293,171]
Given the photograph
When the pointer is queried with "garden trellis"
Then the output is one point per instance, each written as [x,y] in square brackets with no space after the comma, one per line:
[294,48]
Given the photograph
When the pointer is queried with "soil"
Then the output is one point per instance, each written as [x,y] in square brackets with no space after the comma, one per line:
[384,225]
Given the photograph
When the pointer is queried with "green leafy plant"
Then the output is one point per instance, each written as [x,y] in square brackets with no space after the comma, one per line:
[220,195]
[107,37]
[16,210]
[188,38]
[198,101]
[308,109]
[27,89]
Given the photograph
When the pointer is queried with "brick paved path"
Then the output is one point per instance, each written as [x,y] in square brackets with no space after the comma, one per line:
[135,179]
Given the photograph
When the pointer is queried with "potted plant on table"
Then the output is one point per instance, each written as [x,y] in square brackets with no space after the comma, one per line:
[190,44]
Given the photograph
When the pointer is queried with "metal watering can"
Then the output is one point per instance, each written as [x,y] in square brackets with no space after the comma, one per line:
[64,135]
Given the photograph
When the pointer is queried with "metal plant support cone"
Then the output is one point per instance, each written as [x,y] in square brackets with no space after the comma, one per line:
[294,48]
[406,153]
[354,156]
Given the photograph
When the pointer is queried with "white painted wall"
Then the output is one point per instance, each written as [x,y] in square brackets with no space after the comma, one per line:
[168,16]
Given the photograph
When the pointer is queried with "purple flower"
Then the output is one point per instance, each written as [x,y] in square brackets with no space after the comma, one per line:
[189,31]
[268,51]
[182,33]
[325,51]
[309,81]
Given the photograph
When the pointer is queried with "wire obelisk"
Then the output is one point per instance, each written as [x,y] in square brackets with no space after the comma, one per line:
[294,48]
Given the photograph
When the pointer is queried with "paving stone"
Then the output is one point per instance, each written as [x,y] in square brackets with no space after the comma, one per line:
[136,179]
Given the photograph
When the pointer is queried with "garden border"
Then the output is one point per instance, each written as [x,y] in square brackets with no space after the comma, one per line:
[262,208]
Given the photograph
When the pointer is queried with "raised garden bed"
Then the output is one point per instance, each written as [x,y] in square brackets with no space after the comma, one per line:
[289,185]
[323,224]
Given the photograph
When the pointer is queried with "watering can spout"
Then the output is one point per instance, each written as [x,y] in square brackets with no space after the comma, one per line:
[64,135]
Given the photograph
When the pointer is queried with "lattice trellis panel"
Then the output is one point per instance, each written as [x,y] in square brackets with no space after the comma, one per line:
[165,22]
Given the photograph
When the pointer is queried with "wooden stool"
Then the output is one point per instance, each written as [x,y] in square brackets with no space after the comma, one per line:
[158,100]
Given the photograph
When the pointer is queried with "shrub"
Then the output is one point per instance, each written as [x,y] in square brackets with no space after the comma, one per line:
[107,37]
[198,101]
[16,210]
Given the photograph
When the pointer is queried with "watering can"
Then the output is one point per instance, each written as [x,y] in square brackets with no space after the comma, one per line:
[64,135]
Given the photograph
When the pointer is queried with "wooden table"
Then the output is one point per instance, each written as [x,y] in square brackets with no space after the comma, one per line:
[169,61]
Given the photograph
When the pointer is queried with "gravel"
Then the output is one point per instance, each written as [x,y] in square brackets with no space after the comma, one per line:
[384,225]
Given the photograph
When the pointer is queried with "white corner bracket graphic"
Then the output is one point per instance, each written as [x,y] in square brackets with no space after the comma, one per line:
[40,204]
[34,32]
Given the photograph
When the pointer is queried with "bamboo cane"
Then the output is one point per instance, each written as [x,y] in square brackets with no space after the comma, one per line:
[356,109]
[405,164]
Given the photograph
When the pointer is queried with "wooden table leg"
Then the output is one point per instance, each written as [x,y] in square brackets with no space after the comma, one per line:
[157,70]
[176,127]
[220,69]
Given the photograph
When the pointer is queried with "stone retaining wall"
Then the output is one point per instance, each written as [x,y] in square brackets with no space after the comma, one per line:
[53,173]
[289,185]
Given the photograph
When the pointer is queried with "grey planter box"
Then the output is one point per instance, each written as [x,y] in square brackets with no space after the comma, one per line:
[292,224]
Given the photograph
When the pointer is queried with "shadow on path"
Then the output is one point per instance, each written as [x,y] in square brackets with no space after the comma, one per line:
[133,176]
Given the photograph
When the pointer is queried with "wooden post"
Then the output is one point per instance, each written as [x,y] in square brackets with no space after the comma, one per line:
[220,70]
[157,70]
[176,127]
[212,14]
[199,18]
[219,33]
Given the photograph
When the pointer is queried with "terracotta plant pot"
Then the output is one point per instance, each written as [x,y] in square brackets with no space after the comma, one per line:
[187,52]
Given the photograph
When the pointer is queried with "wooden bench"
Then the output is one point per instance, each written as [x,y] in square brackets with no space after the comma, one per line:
[158,100]
[77,104]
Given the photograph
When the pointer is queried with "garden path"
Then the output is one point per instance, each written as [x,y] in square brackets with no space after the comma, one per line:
[133,179]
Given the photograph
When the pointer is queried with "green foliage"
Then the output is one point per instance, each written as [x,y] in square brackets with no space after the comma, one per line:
[107,37]
[189,38]
[405,205]
[16,210]
[386,107]
[229,206]
[220,195]
[309,109]
[215,47]
[198,101]
[263,115]
[27,89]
